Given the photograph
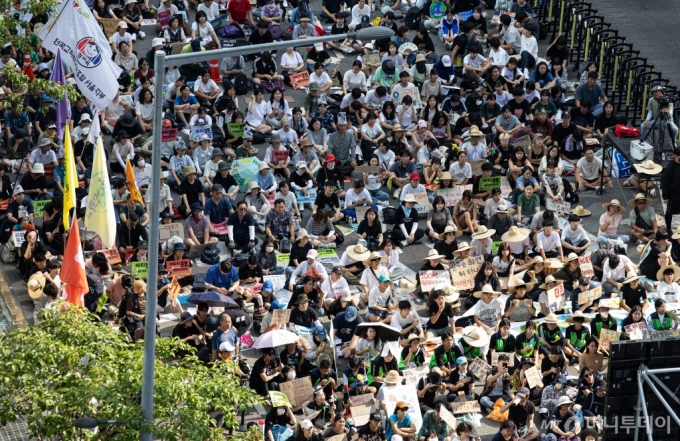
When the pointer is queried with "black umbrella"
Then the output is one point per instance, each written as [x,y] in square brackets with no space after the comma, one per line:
[213,299]
[383,331]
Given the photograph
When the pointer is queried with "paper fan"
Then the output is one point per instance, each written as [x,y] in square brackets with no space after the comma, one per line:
[407,46]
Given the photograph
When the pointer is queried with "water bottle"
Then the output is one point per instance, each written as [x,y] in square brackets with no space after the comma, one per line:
[349,222]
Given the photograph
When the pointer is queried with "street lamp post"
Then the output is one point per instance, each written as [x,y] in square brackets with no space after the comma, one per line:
[161,62]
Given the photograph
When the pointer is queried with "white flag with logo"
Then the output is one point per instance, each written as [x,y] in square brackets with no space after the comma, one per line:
[84,48]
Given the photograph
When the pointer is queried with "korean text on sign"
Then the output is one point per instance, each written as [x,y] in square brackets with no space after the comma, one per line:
[556,298]
[463,273]
[178,268]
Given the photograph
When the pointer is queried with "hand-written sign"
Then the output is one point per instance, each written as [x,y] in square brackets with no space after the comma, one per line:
[166,231]
[169,134]
[19,237]
[39,206]
[591,294]
[607,336]
[128,256]
[463,273]
[298,391]
[479,368]
[370,169]
[300,79]
[428,279]
[505,187]
[465,407]
[279,156]
[494,247]
[111,255]
[279,399]
[586,267]
[400,92]
[448,417]
[494,358]
[236,129]
[282,259]
[372,59]
[489,183]
[174,290]
[423,202]
[280,317]
[665,334]
[164,18]
[523,142]
[110,26]
[221,228]
[360,414]
[556,298]
[138,270]
[638,331]
[453,195]
[476,167]
[413,376]
[533,377]
[557,206]
[178,268]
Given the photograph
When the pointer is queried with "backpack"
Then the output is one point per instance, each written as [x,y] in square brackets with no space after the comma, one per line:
[336,76]
[122,306]
[275,30]
[569,194]
[211,255]
[241,83]
[94,282]
[543,31]
[222,103]
[413,18]
[285,246]
[389,215]
[231,31]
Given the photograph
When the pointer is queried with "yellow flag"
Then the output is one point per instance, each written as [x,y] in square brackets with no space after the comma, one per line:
[70,178]
[135,195]
[100,216]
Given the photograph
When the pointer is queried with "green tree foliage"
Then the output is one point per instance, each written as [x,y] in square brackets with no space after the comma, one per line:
[72,365]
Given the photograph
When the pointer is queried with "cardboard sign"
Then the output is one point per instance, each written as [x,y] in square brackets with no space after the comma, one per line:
[428,279]
[505,187]
[169,134]
[174,290]
[453,195]
[556,298]
[448,417]
[166,231]
[177,48]
[362,400]
[4,204]
[557,206]
[279,399]
[236,129]
[494,358]
[400,92]
[638,331]
[361,213]
[196,250]
[489,183]
[465,407]
[423,202]
[407,394]
[282,260]
[360,414]
[533,377]
[476,167]
[328,256]
[607,336]
[300,79]
[277,280]
[221,228]
[138,270]
[665,334]
[204,129]
[523,142]
[413,376]
[370,169]
[39,206]
[110,26]
[463,273]
[479,368]
[111,255]
[298,391]
[19,237]
[586,267]
[280,317]
[372,59]
[591,294]
[178,268]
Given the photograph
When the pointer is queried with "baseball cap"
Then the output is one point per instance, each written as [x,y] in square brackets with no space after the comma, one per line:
[196,45]
[351,313]
[523,392]
[375,416]
[446,61]
[312,254]
[383,278]
[267,286]
[461,360]
[226,347]
[336,270]
[306,424]
[415,176]
[582,281]
[320,332]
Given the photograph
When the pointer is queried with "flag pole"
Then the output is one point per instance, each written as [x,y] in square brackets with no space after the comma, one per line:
[152,265]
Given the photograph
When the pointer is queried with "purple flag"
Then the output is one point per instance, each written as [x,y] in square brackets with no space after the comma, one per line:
[63,106]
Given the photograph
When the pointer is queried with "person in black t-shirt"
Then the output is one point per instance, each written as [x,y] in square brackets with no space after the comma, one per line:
[192,191]
[655,259]
[563,421]
[329,201]
[564,130]
[633,293]
[428,389]
[605,120]
[374,430]
[370,229]
[521,412]
[187,331]
[582,117]
[559,50]
[519,106]
[266,373]
[572,148]
[303,315]
[425,46]
[441,314]
[552,365]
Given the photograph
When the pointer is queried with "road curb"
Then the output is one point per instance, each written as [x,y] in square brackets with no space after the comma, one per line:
[16,315]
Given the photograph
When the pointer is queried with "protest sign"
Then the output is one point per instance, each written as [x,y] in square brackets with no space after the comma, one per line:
[607,336]
[138,270]
[178,268]
[166,231]
[479,368]
[128,256]
[408,395]
[399,93]
[340,437]
[196,250]
[423,202]
[586,266]
[372,59]
[556,298]
[489,183]
[328,256]
[164,18]
[523,142]
[465,407]
[279,156]
[463,273]
[362,400]
[4,204]
[282,259]
[495,354]
[110,25]
[280,317]
[300,79]
[169,134]
[198,130]
[533,377]
[428,279]
[370,169]
[111,255]
[236,129]
[277,280]
[360,414]
[413,376]
[495,246]
[298,391]
[476,167]
[19,237]
[665,334]
[174,290]
[39,206]
[221,228]
[638,331]
[361,213]
[557,206]
[591,294]
[448,417]
[505,187]
[279,399]
[453,195]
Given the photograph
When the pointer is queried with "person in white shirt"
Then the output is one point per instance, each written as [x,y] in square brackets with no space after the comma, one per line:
[305,266]
[406,112]
[503,97]
[407,320]
[205,89]
[371,275]
[257,111]
[475,65]
[320,77]
[359,10]
[354,77]
[588,171]
[498,56]
[614,272]
[335,287]
[203,153]
[381,307]
[414,187]
[529,49]
[668,288]
[548,243]
[291,63]
[461,170]
[574,237]
[475,149]
[210,8]
[277,109]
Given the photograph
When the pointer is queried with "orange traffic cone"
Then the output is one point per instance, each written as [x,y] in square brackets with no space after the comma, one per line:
[28,69]
[215,71]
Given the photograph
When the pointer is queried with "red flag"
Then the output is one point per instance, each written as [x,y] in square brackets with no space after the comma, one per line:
[73,271]
[28,69]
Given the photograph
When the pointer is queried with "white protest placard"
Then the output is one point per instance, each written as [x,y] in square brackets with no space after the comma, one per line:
[166,231]
[277,281]
[19,237]
[428,279]
[479,368]
[361,213]
[452,195]
[556,298]
[328,256]
[533,377]
[511,358]
[409,395]
[360,414]
[463,273]
[413,376]
[557,206]
[637,331]
[423,205]
[466,407]
[203,129]
[448,417]
[586,266]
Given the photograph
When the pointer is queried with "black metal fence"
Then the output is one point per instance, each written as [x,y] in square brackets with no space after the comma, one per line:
[625,74]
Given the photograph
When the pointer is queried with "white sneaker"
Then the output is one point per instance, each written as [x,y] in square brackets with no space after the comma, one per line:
[327,245]
[396,193]
[526,73]
[626,183]
[134,37]
[652,192]
[598,188]
[142,35]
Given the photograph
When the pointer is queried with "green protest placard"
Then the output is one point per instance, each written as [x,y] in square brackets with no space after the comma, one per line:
[282,260]
[494,247]
[39,206]
[236,129]
[489,183]
[278,399]
[138,270]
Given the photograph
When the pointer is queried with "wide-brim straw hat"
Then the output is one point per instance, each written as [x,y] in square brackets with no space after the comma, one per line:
[648,167]
[676,272]
[475,336]
[36,284]
[580,211]
[407,340]
[301,235]
[515,234]
[564,400]
[571,257]
[450,229]
[474,131]
[447,176]
[550,279]
[528,286]
[464,246]
[432,255]
[486,289]
[631,277]
[638,197]
[358,253]
[410,198]
[551,318]
[578,314]
[483,233]
[614,202]
[676,235]
[392,377]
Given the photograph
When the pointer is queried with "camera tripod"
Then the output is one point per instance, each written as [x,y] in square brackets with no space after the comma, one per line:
[663,126]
